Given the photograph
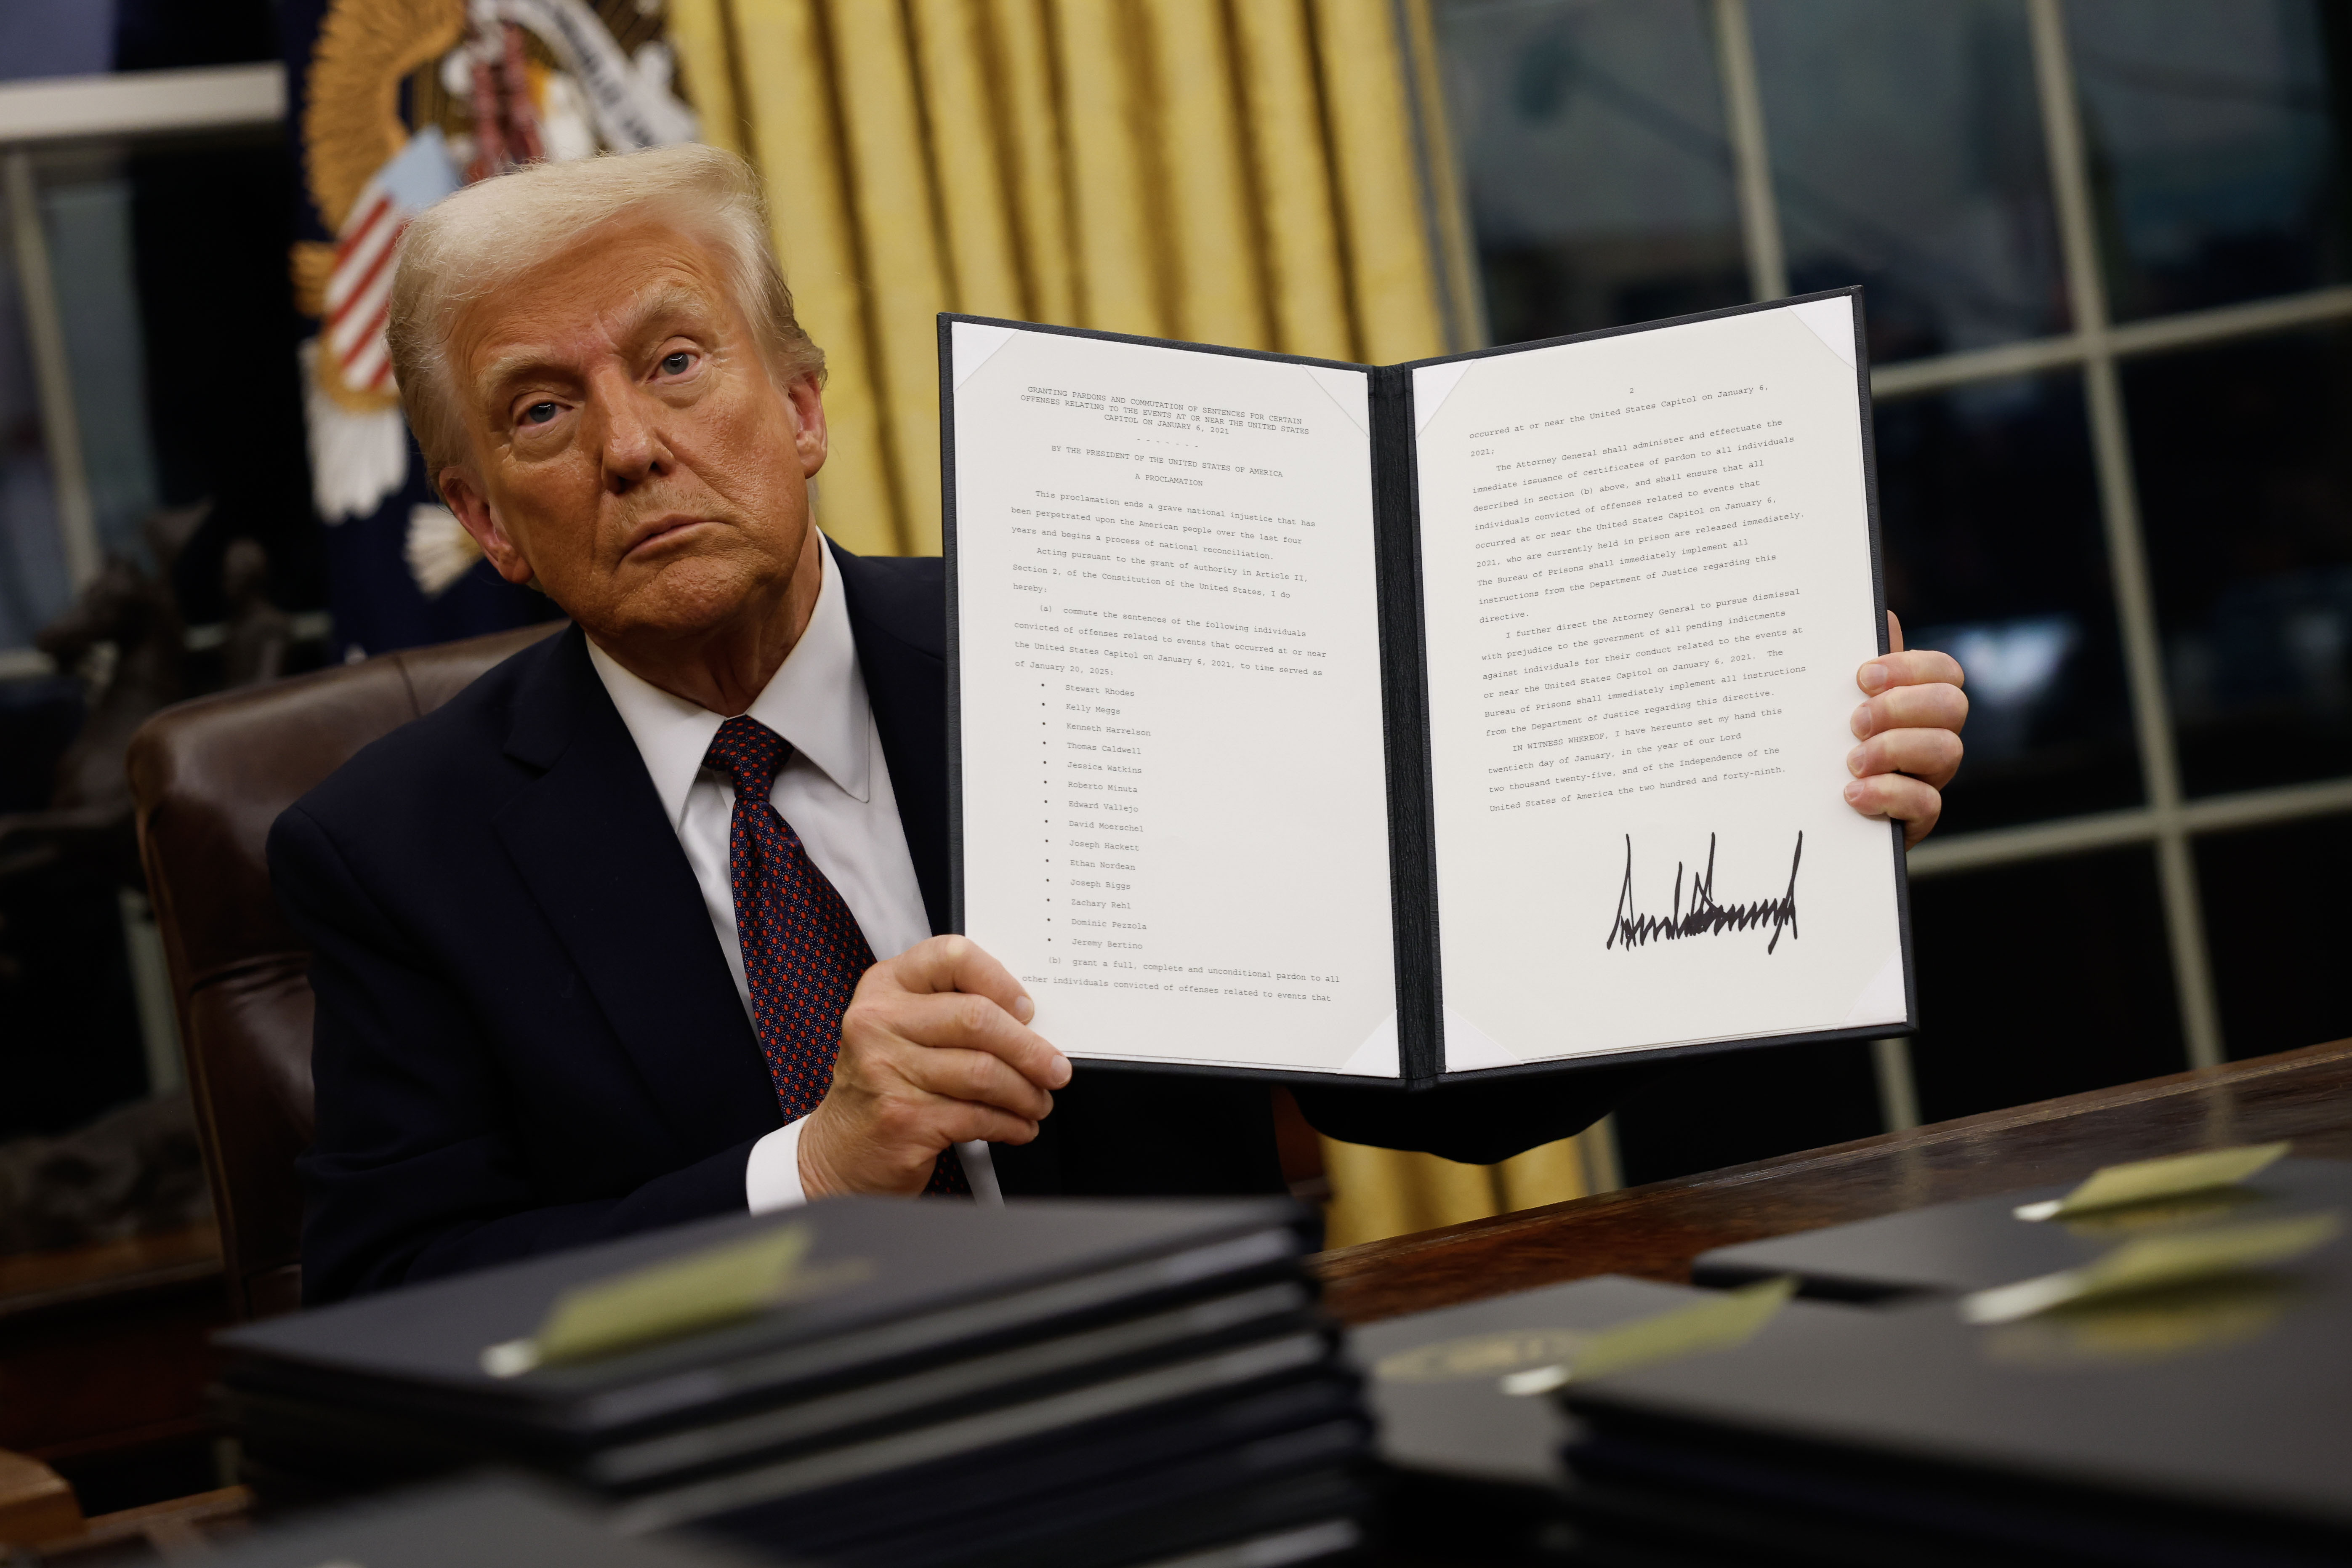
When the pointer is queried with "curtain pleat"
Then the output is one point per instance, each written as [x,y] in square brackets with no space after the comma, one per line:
[787,104]
[975,209]
[890,187]
[1216,283]
[1028,106]
[1383,216]
[698,34]
[1305,269]
[1236,172]
[1105,101]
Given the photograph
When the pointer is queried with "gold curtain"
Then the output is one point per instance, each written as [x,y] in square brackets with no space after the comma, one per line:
[1237,172]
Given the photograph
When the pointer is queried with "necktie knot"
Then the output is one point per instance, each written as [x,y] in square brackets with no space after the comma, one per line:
[749,752]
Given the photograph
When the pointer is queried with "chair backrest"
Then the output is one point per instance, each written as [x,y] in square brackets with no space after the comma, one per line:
[209,777]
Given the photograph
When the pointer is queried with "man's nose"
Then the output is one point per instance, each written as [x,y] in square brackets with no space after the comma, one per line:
[634,450]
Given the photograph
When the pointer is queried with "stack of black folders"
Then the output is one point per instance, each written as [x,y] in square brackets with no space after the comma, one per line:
[490,1522]
[1468,1442]
[860,1382]
[2154,1367]
[1471,1446]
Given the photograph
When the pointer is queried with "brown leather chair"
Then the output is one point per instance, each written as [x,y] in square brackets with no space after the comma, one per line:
[210,776]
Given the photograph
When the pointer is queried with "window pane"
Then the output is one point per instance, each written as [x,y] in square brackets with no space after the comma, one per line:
[2275,925]
[223,386]
[1907,156]
[2214,141]
[33,585]
[2039,980]
[1593,145]
[88,212]
[1745,1105]
[1991,519]
[2244,488]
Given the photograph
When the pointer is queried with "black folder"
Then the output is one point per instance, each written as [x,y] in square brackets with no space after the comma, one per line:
[1464,1466]
[1089,917]
[479,1522]
[1433,1379]
[2194,1427]
[920,1283]
[954,1385]
[1981,1243]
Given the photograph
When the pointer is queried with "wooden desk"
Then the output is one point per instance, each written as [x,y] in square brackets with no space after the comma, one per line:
[104,1360]
[1655,1231]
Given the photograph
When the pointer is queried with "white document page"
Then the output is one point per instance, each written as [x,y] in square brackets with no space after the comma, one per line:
[1175,822]
[1647,577]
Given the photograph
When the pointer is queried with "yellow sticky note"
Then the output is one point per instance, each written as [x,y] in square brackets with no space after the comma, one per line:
[2171,1177]
[2155,1262]
[665,1300]
[1729,1319]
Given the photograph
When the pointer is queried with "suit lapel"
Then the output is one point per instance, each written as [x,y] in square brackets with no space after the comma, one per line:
[898,615]
[601,860]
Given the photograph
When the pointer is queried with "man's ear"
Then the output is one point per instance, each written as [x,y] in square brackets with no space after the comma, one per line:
[472,510]
[810,436]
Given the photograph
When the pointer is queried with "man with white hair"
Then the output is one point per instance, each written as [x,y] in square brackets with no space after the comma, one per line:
[639,928]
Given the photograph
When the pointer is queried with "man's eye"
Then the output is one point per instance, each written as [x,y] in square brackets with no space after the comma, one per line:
[675,364]
[538,412]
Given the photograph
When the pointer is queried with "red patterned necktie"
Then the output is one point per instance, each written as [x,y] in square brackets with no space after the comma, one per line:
[803,953]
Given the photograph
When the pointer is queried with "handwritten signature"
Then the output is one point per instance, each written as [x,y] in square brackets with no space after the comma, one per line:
[1705,916]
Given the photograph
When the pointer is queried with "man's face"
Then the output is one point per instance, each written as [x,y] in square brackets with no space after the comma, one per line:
[629,447]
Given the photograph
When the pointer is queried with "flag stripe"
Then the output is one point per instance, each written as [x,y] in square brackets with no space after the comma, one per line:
[359,243]
[368,348]
[363,322]
[369,217]
[362,369]
[376,268]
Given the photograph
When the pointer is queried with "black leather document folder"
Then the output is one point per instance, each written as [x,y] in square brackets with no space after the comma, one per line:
[485,1522]
[1433,1379]
[928,1382]
[2204,1425]
[1977,1245]
[1462,1460]
[1299,710]
[898,1285]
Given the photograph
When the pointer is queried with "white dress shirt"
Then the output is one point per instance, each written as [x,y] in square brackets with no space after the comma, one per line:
[834,790]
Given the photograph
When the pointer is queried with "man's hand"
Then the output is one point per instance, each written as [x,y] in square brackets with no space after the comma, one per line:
[934,1051]
[1910,736]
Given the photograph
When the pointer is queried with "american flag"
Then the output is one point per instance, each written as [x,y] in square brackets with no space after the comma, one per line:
[359,289]
[359,286]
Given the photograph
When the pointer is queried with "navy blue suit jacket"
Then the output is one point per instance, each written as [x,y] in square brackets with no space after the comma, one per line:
[528,1037]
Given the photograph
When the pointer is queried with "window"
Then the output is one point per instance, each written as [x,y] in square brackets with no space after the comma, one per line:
[2104,244]
[150,414]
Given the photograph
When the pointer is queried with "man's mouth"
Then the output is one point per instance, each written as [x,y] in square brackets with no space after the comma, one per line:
[652,535]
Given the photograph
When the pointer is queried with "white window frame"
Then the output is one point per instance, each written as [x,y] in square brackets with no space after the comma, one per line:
[54,114]
[2168,821]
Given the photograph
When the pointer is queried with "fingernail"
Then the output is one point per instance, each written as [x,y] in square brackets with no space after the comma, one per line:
[1874,679]
[1853,762]
[1860,722]
[1854,792]
[1062,1063]
[1023,1008]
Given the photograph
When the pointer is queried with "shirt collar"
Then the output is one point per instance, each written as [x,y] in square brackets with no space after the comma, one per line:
[816,701]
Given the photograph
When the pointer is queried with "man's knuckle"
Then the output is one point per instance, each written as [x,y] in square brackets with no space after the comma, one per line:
[897,1118]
